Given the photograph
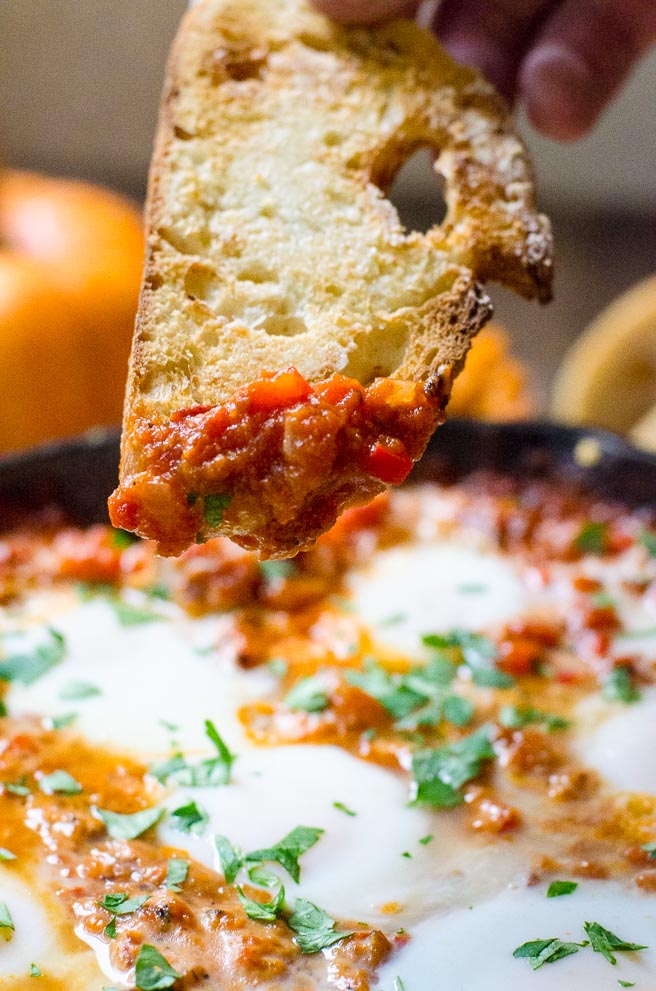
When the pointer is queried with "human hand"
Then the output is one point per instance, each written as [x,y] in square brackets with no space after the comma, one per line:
[563,59]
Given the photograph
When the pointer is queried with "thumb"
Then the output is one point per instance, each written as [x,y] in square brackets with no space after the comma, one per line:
[366,11]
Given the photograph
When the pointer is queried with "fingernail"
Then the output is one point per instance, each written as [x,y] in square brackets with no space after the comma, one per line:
[562,95]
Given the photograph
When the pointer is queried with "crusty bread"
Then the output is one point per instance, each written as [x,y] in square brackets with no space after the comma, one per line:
[270,240]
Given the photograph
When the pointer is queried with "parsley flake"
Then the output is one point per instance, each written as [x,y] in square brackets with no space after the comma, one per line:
[129,827]
[558,888]
[344,808]
[6,854]
[17,787]
[425,840]
[398,984]
[513,717]
[607,943]
[649,848]
[308,695]
[6,921]
[262,911]
[176,873]
[61,722]
[619,687]
[190,818]
[75,690]
[276,570]
[626,984]
[208,773]
[592,538]
[541,951]
[34,971]
[475,651]
[439,774]
[59,783]
[153,971]
[287,851]
[214,507]
[31,665]
[118,903]
[314,928]
[130,615]
[648,540]
[231,858]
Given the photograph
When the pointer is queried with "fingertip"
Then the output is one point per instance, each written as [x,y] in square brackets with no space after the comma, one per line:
[561,93]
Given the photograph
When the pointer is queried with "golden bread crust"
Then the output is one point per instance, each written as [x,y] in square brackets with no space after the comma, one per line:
[270,240]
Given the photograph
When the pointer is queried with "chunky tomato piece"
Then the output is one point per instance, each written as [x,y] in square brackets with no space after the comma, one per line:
[278,391]
[391,465]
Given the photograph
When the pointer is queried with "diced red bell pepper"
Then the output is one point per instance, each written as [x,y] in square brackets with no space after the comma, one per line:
[278,391]
[390,466]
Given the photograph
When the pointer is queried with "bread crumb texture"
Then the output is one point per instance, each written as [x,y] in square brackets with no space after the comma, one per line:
[271,242]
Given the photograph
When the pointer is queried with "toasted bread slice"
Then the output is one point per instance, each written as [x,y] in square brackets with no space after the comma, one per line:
[271,245]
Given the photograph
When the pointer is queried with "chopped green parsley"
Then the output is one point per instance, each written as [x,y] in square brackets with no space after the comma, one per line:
[592,538]
[541,951]
[344,808]
[190,818]
[129,827]
[207,773]
[314,928]
[153,971]
[75,690]
[176,873]
[30,665]
[619,687]
[6,921]
[214,507]
[607,943]
[262,911]
[558,888]
[440,773]
[513,717]
[308,695]
[59,783]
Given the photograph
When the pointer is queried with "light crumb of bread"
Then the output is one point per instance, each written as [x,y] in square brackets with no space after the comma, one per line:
[271,242]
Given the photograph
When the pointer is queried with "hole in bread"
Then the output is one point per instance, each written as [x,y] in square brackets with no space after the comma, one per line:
[282,326]
[187,244]
[417,192]
[239,64]
[200,281]
[256,272]
[181,134]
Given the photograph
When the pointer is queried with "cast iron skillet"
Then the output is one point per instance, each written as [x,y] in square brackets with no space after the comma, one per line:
[78,475]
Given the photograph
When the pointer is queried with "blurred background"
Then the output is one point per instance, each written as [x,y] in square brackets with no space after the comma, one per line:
[79,89]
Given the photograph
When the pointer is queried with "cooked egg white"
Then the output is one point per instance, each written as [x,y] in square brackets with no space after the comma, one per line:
[463,897]
[471,949]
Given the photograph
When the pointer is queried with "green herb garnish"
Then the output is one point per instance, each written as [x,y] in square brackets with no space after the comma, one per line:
[619,687]
[541,951]
[128,827]
[208,773]
[176,873]
[231,858]
[75,690]
[287,851]
[59,783]
[118,903]
[558,888]
[439,774]
[6,854]
[592,538]
[513,717]
[190,818]
[28,667]
[34,971]
[607,943]
[6,921]
[314,928]
[262,911]
[308,695]
[152,971]
[214,507]
[344,808]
